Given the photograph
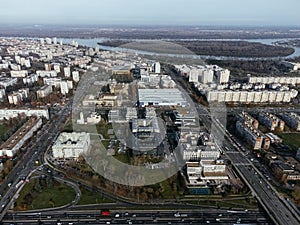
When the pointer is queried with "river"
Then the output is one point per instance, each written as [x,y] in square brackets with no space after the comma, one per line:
[94,42]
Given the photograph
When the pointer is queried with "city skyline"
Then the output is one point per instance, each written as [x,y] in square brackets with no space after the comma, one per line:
[154,12]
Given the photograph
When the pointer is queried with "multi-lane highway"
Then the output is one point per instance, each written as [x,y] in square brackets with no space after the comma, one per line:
[200,216]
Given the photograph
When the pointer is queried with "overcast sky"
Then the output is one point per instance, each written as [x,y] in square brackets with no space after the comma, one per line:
[153,12]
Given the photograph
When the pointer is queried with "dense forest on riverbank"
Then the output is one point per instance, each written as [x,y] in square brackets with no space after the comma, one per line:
[221,48]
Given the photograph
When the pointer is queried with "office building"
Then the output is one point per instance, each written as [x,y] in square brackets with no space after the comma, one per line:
[161,97]
[71,145]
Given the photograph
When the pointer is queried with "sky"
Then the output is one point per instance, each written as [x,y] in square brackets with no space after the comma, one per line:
[152,12]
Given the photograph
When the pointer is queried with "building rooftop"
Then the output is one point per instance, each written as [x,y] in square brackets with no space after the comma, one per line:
[19,134]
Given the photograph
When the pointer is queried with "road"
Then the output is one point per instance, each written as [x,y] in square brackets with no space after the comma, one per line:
[35,151]
[199,216]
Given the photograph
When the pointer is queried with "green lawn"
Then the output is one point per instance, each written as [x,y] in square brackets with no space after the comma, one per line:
[89,197]
[105,143]
[54,196]
[103,128]
[292,140]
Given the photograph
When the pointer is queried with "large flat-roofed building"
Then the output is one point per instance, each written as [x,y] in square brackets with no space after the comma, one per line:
[16,141]
[161,97]
[71,145]
[146,133]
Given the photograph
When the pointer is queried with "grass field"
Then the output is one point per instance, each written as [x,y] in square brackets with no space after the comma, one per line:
[55,196]
[292,140]
[88,197]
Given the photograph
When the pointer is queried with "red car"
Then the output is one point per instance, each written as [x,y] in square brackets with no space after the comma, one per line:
[105,212]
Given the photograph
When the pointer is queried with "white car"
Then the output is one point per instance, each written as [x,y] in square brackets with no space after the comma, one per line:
[117,215]
[177,215]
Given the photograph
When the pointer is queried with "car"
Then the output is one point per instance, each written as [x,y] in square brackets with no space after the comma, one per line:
[177,214]
[117,215]
[218,219]
[126,214]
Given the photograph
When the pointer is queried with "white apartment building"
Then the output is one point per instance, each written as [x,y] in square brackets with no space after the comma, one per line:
[44,73]
[67,71]
[242,96]
[207,76]
[64,89]
[12,113]
[19,74]
[18,96]
[222,76]
[31,79]
[75,76]
[56,68]
[277,80]
[52,82]
[44,91]
[6,82]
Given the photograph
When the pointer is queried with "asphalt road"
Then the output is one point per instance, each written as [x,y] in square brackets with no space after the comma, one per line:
[141,217]
[34,152]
